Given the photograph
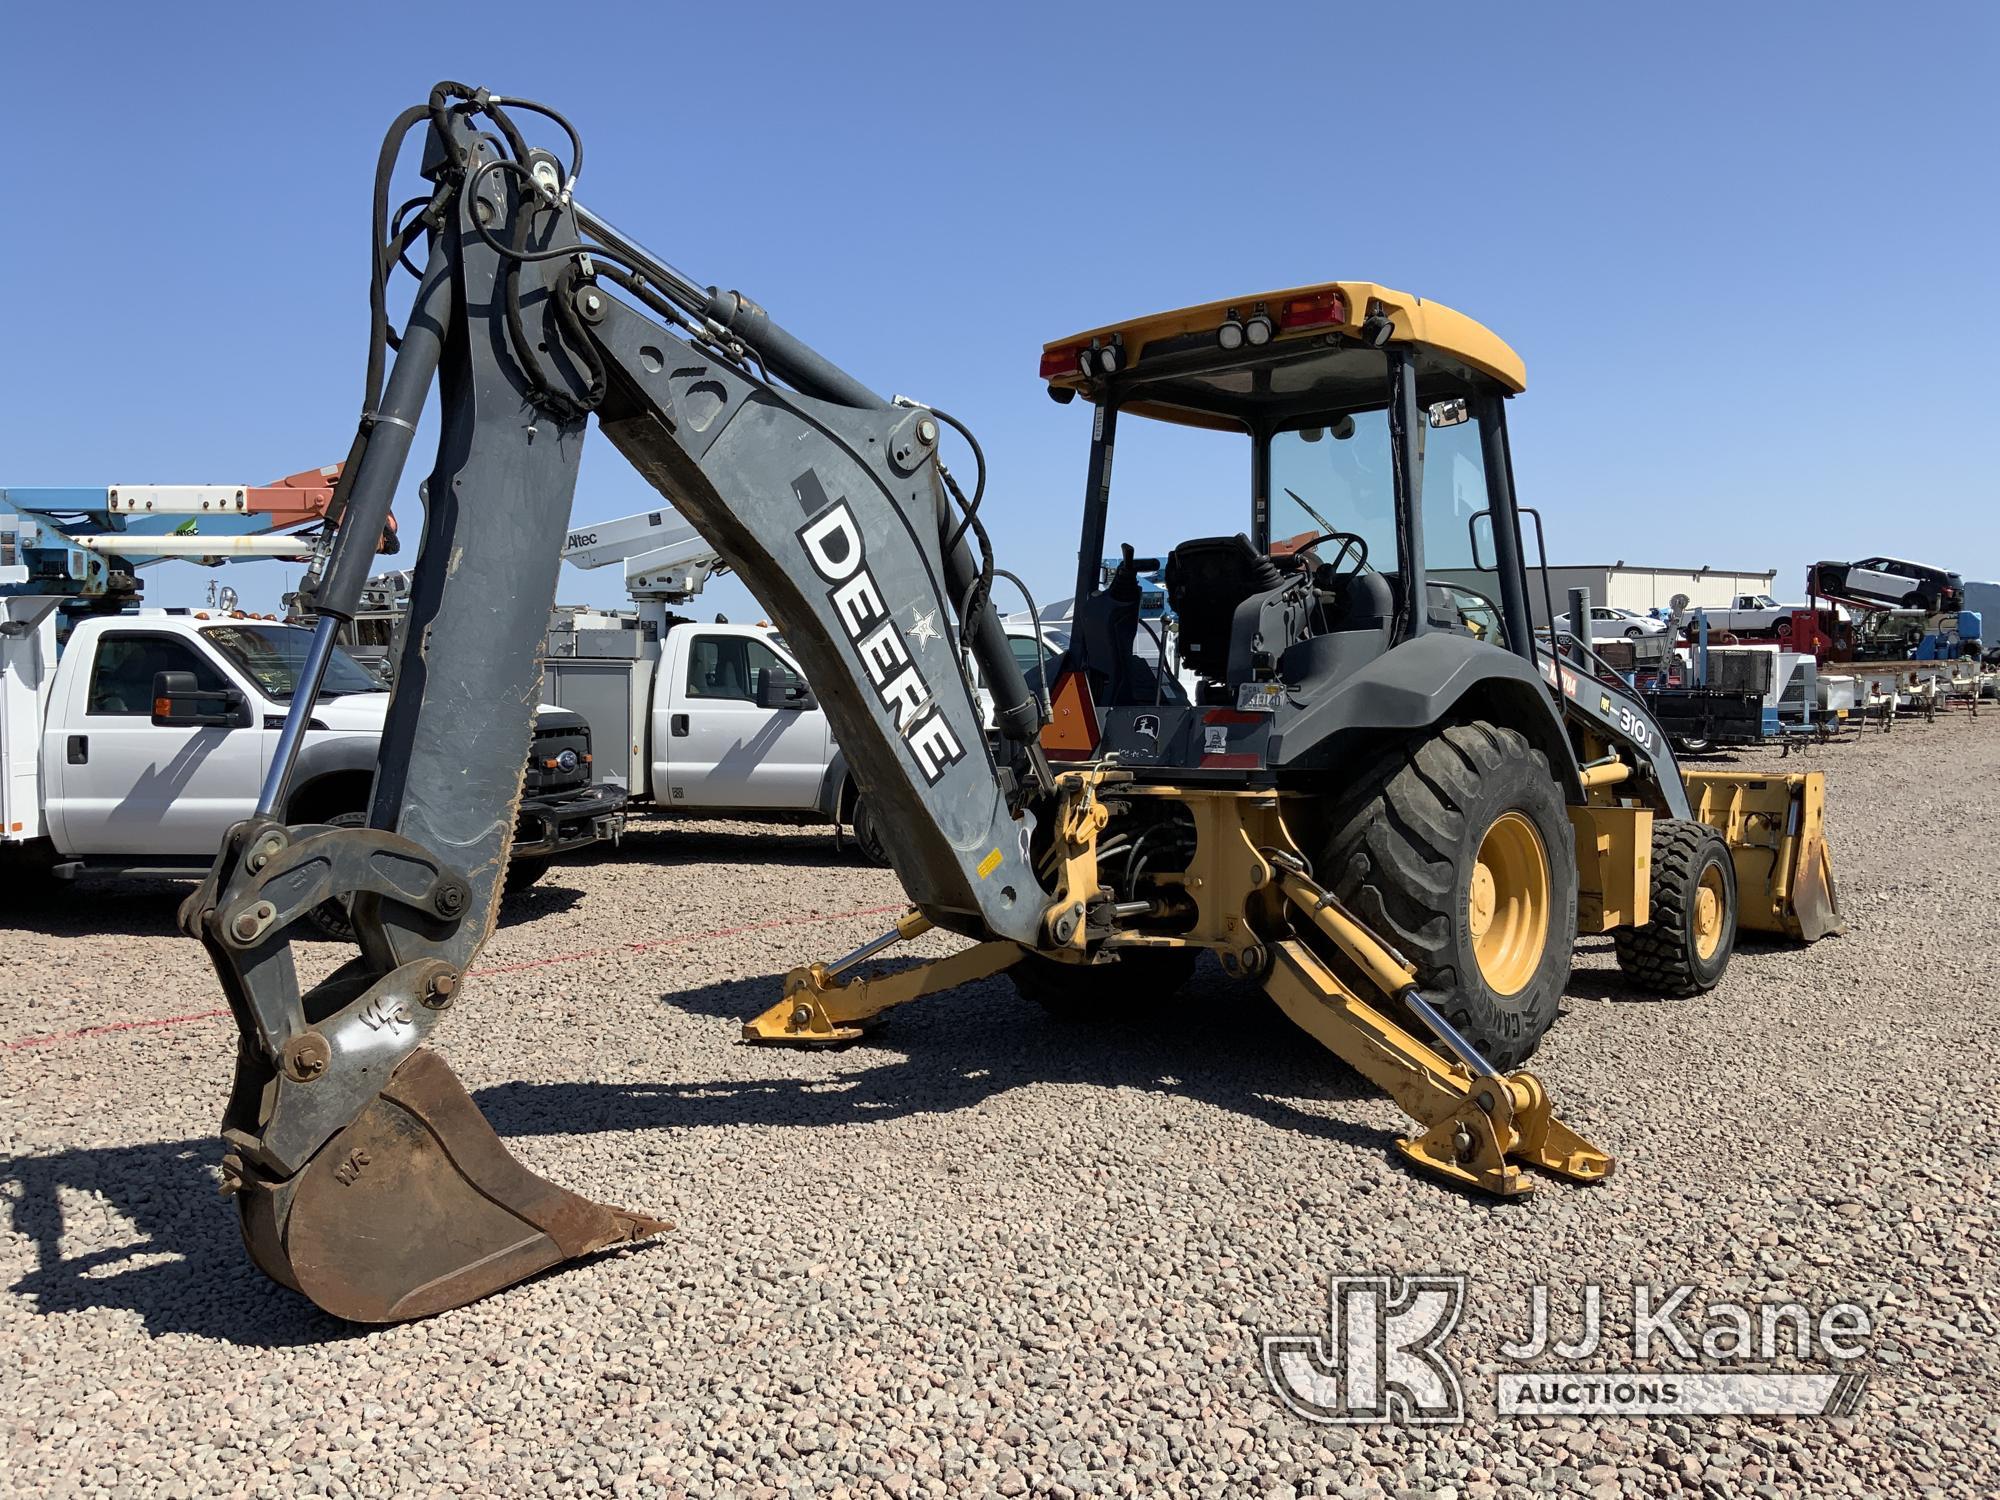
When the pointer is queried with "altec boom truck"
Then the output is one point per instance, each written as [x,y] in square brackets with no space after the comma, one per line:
[132,739]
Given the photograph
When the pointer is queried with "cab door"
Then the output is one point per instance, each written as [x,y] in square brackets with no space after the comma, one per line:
[720,749]
[119,785]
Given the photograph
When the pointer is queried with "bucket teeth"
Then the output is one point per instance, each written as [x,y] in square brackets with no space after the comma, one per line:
[417,1207]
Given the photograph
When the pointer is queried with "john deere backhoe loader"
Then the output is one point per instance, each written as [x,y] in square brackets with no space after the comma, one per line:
[1385,804]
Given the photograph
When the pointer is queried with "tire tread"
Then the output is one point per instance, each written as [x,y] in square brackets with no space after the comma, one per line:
[1656,954]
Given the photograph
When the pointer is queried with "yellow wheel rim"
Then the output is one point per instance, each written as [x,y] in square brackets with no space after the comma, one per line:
[1710,904]
[1507,904]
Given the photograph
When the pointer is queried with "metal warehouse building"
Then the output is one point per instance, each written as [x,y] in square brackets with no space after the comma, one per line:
[1624,586]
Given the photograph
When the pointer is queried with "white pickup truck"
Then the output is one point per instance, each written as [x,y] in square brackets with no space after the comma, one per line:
[135,749]
[712,719]
[1758,614]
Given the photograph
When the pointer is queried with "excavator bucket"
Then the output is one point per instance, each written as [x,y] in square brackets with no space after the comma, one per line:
[1774,826]
[417,1207]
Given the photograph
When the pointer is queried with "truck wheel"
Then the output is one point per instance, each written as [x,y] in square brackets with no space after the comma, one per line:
[523,873]
[1458,851]
[330,919]
[1105,992]
[1686,946]
[1782,629]
[867,836]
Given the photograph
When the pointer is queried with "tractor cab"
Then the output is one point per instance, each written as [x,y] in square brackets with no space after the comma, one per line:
[1380,510]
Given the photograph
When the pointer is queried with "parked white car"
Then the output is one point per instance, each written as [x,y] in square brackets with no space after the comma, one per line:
[1609,624]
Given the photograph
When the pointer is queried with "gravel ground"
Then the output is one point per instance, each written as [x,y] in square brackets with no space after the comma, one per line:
[987,1252]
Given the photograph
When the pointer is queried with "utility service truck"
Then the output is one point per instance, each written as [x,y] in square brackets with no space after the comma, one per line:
[131,739]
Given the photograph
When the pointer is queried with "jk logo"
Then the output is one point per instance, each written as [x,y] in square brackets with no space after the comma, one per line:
[1378,1360]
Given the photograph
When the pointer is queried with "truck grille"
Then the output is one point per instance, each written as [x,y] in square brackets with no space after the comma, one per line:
[560,761]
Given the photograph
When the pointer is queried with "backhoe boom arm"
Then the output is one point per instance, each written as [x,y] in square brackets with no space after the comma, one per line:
[828,501]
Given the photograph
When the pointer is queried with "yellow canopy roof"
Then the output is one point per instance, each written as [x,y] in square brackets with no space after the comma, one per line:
[1300,313]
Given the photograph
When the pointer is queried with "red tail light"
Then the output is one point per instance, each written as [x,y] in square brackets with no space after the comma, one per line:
[1313,311]
[1061,361]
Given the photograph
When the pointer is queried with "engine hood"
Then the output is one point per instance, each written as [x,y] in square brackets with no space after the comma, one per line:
[353,712]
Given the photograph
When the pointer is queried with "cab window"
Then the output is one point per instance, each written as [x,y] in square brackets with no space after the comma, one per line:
[728,666]
[1454,488]
[1340,477]
[121,676]
[1336,478]
[1470,612]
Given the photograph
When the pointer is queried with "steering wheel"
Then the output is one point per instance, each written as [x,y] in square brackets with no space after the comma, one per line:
[1349,543]
[1348,540]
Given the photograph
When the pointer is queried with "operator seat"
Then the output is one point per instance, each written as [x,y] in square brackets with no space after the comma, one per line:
[1367,602]
[1207,579]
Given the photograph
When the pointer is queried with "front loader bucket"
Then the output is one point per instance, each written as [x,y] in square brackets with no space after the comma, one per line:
[417,1207]
[1774,826]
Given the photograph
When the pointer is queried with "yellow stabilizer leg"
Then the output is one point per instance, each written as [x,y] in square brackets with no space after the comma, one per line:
[1477,1124]
[819,1010]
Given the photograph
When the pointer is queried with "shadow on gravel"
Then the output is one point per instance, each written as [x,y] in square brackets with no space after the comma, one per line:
[1220,1044]
[88,908]
[665,841]
[184,1270]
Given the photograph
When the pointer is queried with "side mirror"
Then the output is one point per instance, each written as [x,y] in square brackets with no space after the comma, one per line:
[779,688]
[179,704]
[1449,413]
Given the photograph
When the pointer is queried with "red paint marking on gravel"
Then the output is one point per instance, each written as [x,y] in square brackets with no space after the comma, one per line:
[649,944]
[51,1038]
[111,1028]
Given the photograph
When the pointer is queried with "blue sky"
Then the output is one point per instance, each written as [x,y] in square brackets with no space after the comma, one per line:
[1747,252]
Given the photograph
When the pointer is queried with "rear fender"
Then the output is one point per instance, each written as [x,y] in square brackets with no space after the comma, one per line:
[1422,683]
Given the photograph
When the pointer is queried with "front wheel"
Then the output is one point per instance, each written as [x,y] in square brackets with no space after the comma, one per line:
[1685,946]
[1458,851]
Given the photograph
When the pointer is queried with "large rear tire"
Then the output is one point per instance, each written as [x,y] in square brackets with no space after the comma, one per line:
[1458,850]
[1685,947]
[1104,992]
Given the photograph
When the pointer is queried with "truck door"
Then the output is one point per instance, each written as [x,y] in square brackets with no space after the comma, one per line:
[1872,579]
[118,784]
[719,748]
